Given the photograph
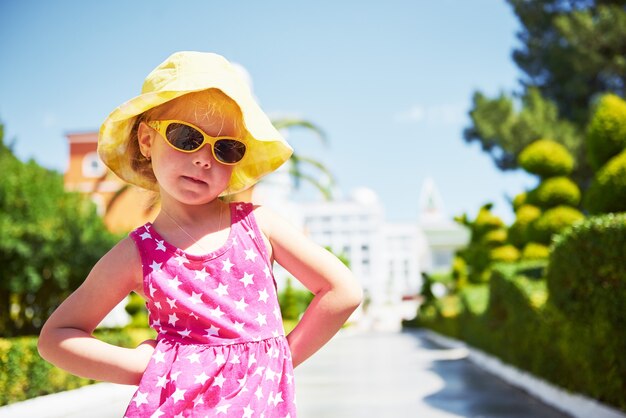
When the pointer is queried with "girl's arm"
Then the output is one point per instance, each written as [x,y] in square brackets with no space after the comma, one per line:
[66,339]
[337,293]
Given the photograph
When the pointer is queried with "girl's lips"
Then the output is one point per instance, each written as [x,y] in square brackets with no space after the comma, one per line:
[194,180]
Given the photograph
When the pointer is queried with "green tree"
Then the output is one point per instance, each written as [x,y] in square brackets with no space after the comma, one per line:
[50,241]
[571,52]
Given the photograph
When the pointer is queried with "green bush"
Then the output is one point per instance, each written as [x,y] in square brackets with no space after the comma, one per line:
[519,201]
[485,222]
[293,302]
[24,375]
[587,271]
[518,232]
[546,158]
[607,192]
[552,222]
[535,251]
[495,237]
[555,191]
[606,133]
[505,253]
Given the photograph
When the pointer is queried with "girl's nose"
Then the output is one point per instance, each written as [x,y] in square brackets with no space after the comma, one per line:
[203,157]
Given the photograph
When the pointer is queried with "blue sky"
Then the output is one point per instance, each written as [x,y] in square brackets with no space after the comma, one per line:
[390,82]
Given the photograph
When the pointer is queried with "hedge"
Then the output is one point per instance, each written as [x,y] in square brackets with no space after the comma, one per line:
[24,374]
[512,318]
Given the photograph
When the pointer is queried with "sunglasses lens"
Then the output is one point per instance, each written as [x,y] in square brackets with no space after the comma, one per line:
[184,137]
[229,151]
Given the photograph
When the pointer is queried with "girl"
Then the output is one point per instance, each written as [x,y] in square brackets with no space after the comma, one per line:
[204,266]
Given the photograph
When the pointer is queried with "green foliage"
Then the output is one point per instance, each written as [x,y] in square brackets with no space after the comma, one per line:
[518,232]
[572,51]
[504,132]
[606,133]
[136,308]
[50,241]
[519,201]
[505,253]
[607,192]
[587,272]
[513,318]
[552,222]
[293,302]
[535,251]
[546,158]
[495,237]
[25,375]
[555,191]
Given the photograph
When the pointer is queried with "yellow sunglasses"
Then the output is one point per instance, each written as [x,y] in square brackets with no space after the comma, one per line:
[185,137]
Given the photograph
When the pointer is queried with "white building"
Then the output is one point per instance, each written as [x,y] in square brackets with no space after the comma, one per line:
[387,258]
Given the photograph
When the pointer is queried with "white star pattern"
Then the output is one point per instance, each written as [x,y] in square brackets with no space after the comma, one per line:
[247,412]
[241,305]
[250,254]
[174,283]
[195,298]
[212,331]
[201,274]
[222,290]
[261,319]
[219,301]
[182,259]
[222,409]
[159,357]
[263,296]
[179,395]
[219,380]
[171,302]
[140,398]
[216,313]
[162,382]
[227,265]
[160,246]
[201,378]
[156,267]
[246,279]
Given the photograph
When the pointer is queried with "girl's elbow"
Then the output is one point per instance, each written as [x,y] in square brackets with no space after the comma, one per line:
[354,296]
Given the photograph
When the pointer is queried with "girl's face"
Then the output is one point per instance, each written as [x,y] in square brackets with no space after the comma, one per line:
[190,178]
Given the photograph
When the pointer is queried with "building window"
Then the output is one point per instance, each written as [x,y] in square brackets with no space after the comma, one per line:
[93,166]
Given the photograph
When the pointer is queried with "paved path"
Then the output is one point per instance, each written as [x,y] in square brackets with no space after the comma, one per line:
[357,375]
[379,375]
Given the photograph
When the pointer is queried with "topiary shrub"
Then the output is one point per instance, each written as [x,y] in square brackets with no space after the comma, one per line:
[606,133]
[552,222]
[535,251]
[518,232]
[495,237]
[505,253]
[555,191]
[519,201]
[546,158]
[607,192]
[587,272]
[485,222]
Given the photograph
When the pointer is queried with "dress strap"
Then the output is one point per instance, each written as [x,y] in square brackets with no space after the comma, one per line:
[244,214]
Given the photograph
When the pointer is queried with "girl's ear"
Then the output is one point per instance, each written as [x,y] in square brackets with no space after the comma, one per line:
[145,136]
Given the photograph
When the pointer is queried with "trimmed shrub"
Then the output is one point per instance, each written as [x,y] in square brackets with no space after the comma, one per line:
[485,222]
[518,232]
[506,253]
[587,271]
[552,222]
[607,192]
[518,201]
[535,251]
[606,133]
[546,158]
[555,191]
[495,237]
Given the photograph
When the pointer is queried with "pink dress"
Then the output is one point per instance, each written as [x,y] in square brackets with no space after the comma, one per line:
[221,347]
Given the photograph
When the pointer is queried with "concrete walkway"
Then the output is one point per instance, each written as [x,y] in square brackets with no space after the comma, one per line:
[358,374]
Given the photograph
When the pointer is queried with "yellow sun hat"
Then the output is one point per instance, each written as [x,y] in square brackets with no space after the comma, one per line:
[187,72]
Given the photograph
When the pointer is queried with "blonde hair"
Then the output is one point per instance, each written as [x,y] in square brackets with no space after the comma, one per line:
[210,103]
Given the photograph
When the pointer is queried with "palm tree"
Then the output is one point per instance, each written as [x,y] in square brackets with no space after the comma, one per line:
[323,184]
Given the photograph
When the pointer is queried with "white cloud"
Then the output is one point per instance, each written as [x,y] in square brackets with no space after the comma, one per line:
[441,114]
